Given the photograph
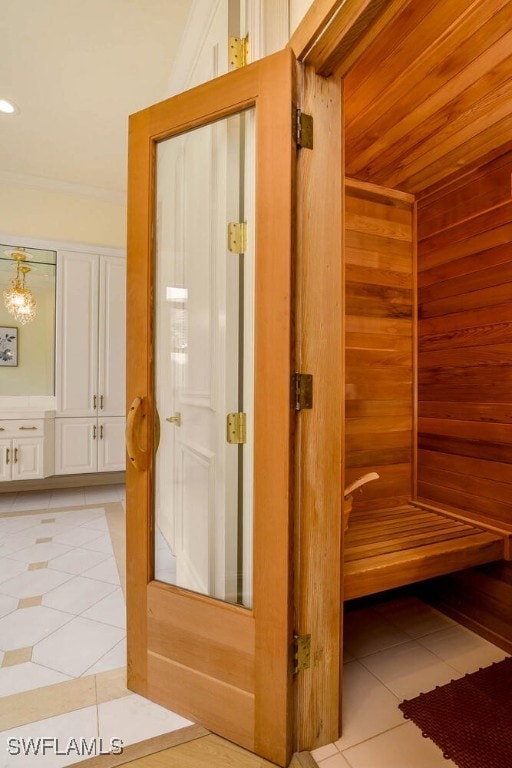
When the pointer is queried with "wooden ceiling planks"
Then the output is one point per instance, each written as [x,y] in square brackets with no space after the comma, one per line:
[431,94]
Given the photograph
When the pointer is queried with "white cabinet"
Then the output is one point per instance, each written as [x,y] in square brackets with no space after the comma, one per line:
[90,363]
[90,445]
[26,448]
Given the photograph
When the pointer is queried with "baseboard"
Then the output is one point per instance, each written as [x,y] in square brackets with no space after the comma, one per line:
[55,482]
[475,626]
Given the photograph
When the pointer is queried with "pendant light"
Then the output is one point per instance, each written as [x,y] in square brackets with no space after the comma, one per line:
[18,299]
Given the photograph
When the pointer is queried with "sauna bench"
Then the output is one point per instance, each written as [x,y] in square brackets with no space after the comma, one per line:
[387,548]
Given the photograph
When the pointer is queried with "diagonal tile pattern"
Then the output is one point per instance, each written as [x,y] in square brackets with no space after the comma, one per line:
[63,624]
[45,552]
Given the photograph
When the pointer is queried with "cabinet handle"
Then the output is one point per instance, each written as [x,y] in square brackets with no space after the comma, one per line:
[2,429]
[94,402]
[101,432]
[15,455]
[94,432]
[101,402]
[27,427]
[7,455]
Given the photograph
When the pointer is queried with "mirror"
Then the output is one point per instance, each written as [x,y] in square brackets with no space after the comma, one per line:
[27,351]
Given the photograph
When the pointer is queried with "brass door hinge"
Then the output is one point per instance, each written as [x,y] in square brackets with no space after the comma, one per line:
[302,391]
[237,237]
[236,433]
[239,51]
[303,129]
[301,653]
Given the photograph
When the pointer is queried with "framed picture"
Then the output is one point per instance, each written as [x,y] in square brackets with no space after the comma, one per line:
[8,345]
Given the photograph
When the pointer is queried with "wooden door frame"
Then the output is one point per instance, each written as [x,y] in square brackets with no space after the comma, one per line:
[328,41]
[319,442]
[335,33]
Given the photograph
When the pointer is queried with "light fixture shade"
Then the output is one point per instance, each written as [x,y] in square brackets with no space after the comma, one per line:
[18,299]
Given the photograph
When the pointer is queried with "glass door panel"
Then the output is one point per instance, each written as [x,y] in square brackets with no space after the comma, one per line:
[204,351]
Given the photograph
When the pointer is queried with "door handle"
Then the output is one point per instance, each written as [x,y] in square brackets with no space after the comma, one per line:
[94,402]
[7,455]
[101,432]
[176,419]
[134,421]
[15,455]
[101,402]
[94,432]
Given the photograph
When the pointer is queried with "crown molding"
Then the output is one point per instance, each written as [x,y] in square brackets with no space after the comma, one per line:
[61,187]
[14,241]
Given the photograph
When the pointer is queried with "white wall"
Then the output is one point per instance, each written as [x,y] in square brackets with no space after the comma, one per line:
[298,10]
[54,215]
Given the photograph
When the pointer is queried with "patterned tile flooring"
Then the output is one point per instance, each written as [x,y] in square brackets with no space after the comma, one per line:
[63,655]
[63,625]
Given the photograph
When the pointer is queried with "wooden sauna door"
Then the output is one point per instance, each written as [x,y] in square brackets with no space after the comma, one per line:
[218,655]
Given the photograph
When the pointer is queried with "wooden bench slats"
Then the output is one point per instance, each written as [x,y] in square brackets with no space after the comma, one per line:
[393,547]
[398,545]
[392,522]
[403,530]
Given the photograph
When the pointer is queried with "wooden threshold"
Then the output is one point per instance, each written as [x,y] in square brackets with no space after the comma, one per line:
[390,548]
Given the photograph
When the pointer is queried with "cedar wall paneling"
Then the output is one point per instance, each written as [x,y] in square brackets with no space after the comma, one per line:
[465,377]
[465,343]
[379,358]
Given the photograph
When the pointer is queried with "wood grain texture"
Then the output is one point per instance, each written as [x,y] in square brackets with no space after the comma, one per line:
[333,33]
[318,446]
[480,599]
[465,342]
[378,342]
[388,548]
[258,685]
[428,92]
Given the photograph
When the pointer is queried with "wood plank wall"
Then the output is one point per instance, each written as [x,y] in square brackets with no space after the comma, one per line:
[465,377]
[378,342]
[465,342]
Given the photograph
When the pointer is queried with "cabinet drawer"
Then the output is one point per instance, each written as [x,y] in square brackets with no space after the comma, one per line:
[22,428]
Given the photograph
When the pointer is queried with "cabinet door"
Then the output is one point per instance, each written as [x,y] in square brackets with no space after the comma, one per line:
[112,335]
[111,445]
[27,459]
[76,446]
[77,331]
[5,459]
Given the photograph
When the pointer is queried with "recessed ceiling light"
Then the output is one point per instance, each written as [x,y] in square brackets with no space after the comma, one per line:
[8,107]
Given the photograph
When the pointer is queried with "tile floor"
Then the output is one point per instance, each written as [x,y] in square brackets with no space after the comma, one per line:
[62,645]
[396,650]
[63,627]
